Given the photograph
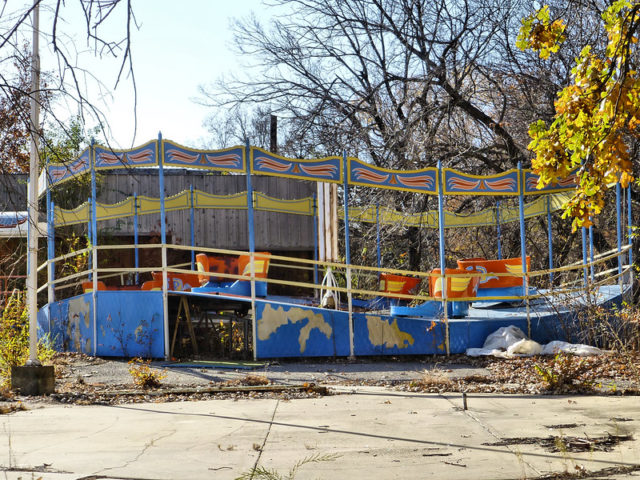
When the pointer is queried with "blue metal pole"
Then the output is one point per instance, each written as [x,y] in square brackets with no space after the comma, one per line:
[51,248]
[523,245]
[94,251]
[163,248]
[378,252]
[50,241]
[441,237]
[550,239]
[315,238]
[135,236]
[441,223]
[250,214]
[590,231]
[499,231]
[90,236]
[94,208]
[619,225]
[584,258]
[629,225]
[252,247]
[523,239]
[192,231]
[163,224]
[347,247]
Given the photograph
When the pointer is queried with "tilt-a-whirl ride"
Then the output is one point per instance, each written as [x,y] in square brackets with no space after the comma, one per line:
[177,305]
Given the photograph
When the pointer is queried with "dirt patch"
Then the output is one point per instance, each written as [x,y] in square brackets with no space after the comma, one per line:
[555,444]
[561,426]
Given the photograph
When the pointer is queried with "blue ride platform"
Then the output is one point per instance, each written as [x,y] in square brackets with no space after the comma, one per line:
[129,323]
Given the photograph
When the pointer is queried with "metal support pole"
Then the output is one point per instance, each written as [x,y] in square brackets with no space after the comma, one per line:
[136,237]
[315,239]
[51,272]
[619,226]
[523,245]
[163,248]
[378,252]
[619,231]
[584,260]
[90,238]
[590,232]
[94,244]
[192,230]
[443,263]
[347,248]
[550,240]
[252,249]
[630,228]
[499,230]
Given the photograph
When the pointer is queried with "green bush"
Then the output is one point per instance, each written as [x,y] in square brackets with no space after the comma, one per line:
[14,338]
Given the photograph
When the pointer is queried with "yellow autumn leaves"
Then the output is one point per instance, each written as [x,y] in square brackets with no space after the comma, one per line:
[596,115]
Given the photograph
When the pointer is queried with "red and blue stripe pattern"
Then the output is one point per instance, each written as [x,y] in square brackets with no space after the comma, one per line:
[227,160]
[361,173]
[322,170]
[531,183]
[458,183]
[60,173]
[143,156]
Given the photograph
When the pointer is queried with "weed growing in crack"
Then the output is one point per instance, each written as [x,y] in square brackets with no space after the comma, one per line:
[142,374]
[261,473]
[564,372]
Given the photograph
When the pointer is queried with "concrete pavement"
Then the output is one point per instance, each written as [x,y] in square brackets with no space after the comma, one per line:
[372,433]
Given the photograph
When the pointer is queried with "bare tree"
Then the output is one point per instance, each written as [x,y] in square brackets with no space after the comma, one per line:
[66,87]
[403,84]
[69,83]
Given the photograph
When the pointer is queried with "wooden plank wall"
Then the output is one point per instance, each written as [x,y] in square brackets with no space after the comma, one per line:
[213,228]
[13,193]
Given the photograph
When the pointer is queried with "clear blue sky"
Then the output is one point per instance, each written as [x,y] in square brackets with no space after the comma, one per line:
[179,46]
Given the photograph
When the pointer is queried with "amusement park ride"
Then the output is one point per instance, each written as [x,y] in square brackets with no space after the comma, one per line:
[172,313]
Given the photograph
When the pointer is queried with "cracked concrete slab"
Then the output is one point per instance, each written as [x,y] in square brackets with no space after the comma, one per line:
[370,432]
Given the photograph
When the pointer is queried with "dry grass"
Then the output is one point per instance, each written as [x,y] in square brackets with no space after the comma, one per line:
[434,380]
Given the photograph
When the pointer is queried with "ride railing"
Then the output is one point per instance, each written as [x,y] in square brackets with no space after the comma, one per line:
[352,281]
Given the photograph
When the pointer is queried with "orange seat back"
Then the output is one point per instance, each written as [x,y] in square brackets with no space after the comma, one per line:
[152,285]
[398,283]
[202,265]
[261,264]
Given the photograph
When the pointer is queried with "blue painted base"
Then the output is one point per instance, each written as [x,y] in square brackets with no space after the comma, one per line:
[126,324]
[130,324]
